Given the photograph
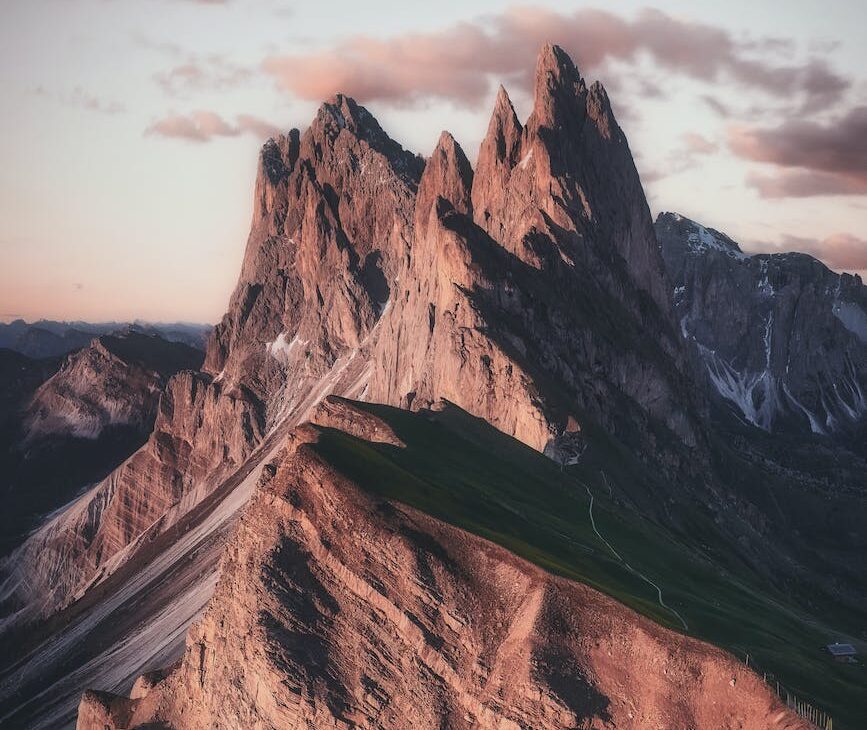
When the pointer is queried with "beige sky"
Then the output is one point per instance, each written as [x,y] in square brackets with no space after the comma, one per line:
[130,129]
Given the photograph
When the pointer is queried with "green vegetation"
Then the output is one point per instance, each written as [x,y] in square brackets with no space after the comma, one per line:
[461,470]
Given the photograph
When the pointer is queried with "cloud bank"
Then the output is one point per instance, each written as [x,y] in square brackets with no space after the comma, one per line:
[460,62]
[203,126]
[841,251]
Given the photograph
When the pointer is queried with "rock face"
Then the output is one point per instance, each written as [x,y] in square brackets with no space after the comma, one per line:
[534,295]
[783,339]
[338,610]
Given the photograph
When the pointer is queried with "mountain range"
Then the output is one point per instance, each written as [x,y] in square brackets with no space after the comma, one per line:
[473,446]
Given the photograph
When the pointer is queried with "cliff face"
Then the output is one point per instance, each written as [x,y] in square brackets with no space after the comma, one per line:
[783,339]
[338,609]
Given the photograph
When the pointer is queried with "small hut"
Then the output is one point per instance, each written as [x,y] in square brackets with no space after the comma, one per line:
[841,652]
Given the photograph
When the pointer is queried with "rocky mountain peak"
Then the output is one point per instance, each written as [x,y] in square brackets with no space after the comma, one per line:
[447,175]
[504,129]
[783,339]
[342,116]
[682,235]
[499,153]
[558,89]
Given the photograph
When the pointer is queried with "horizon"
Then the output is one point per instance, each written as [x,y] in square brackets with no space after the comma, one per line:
[754,127]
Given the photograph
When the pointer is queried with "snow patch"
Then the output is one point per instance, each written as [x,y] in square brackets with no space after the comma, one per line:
[701,240]
[754,394]
[815,427]
[765,286]
[282,349]
[852,317]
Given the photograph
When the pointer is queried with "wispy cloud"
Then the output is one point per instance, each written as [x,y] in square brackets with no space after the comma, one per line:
[460,62]
[697,144]
[203,126]
[82,99]
[197,74]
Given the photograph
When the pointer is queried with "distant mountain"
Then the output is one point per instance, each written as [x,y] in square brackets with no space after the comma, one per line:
[64,431]
[782,338]
[48,338]
[20,376]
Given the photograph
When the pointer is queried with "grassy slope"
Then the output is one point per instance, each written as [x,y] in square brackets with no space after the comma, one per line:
[462,471]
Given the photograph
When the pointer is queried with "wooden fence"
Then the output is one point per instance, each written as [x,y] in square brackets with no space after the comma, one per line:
[811,713]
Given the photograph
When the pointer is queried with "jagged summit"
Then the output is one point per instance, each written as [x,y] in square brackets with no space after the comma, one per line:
[557,89]
[448,174]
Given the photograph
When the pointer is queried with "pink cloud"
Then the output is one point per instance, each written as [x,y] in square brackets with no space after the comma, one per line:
[697,144]
[459,63]
[805,184]
[203,126]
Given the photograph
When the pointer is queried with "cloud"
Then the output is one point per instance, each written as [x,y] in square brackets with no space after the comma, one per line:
[841,251]
[82,99]
[696,144]
[717,106]
[804,184]
[459,62]
[194,74]
[203,126]
[820,159]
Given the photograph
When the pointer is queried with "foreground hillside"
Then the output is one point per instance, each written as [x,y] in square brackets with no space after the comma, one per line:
[343,605]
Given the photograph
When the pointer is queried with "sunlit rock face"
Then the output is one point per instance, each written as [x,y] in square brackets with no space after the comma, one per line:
[782,338]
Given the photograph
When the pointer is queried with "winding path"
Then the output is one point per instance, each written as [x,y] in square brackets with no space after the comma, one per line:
[629,567]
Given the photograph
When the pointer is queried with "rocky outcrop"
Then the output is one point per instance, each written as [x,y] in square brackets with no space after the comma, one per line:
[114,382]
[337,609]
[783,339]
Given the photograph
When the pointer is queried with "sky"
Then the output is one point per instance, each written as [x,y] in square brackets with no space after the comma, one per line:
[129,129]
